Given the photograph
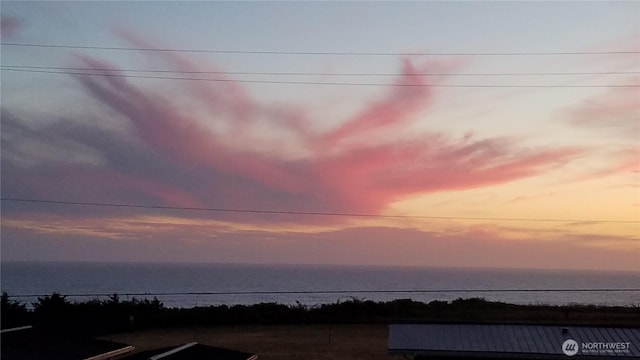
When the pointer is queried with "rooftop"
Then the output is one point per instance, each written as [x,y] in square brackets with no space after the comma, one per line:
[192,351]
[27,343]
[519,341]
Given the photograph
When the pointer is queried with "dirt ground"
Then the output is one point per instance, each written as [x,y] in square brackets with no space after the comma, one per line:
[313,342]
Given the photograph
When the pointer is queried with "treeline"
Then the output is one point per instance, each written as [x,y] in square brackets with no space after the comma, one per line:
[95,317]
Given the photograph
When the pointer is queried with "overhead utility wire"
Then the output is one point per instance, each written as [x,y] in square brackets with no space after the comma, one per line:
[317,83]
[307,213]
[305,292]
[345,53]
[318,73]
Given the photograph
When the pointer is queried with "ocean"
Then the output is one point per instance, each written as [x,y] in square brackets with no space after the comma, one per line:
[189,285]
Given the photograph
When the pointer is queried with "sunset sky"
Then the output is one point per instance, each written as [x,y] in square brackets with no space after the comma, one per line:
[476,134]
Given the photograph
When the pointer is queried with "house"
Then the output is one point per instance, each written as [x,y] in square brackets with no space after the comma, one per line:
[513,341]
[192,351]
[27,343]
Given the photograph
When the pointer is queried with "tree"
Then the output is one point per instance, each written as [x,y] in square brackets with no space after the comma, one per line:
[14,313]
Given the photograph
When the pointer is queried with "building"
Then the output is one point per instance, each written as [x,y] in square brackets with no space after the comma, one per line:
[27,343]
[192,351]
[440,341]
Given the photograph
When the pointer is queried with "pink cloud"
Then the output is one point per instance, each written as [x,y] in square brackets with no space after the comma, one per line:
[625,161]
[9,26]
[617,112]
[617,108]
[410,95]
[181,161]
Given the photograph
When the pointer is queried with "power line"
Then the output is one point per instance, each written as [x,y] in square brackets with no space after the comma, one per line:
[329,292]
[317,83]
[307,213]
[340,53]
[7,67]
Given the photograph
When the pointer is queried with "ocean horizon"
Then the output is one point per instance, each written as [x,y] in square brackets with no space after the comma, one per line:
[187,285]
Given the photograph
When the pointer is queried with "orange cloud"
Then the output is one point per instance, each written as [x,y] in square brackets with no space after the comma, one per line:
[176,240]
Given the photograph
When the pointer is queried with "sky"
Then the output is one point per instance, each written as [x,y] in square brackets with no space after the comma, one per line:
[439,134]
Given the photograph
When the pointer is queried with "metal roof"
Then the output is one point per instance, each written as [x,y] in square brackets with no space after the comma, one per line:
[513,340]
[192,351]
[26,343]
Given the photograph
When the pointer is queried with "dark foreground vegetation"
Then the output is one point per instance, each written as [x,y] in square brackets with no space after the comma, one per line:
[97,317]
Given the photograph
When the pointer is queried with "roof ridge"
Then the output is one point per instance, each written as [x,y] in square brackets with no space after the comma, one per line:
[173,351]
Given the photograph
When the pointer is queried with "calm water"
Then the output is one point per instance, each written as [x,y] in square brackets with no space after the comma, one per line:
[310,285]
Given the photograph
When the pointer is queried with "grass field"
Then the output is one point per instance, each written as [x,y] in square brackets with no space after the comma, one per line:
[270,342]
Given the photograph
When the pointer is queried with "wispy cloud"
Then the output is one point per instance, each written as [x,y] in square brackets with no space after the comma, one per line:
[195,241]
[9,26]
[615,113]
[208,157]
[617,110]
